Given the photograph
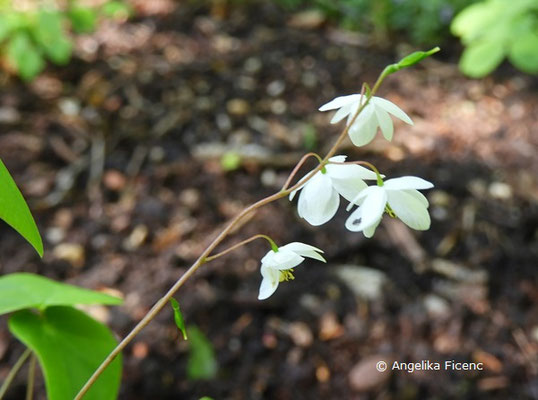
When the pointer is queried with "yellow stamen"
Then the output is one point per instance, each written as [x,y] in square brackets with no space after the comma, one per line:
[390,212]
[286,275]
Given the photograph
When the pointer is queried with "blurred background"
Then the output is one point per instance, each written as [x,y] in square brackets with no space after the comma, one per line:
[136,129]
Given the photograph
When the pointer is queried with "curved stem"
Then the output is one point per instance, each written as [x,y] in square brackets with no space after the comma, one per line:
[14,371]
[237,245]
[31,379]
[298,166]
[163,301]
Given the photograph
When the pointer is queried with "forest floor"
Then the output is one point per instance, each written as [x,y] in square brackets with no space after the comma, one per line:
[119,155]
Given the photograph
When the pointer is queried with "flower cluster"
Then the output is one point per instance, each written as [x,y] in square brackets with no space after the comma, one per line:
[319,196]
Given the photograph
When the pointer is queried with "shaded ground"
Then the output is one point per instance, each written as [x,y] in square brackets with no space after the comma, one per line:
[119,156]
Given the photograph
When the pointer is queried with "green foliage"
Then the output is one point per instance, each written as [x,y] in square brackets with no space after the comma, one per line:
[117,9]
[492,30]
[69,346]
[28,38]
[310,137]
[202,363]
[13,208]
[23,290]
[83,19]
[178,317]
[422,22]
[230,161]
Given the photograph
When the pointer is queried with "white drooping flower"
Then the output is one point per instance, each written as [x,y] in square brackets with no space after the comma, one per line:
[277,266]
[374,115]
[319,198]
[403,200]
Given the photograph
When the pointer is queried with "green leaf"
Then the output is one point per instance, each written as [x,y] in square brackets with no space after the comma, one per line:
[69,346]
[477,19]
[9,21]
[178,317]
[116,9]
[23,290]
[50,35]
[480,58]
[202,363]
[14,210]
[408,61]
[416,57]
[524,53]
[24,56]
[83,19]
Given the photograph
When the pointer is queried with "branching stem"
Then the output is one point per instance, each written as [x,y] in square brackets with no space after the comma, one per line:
[163,301]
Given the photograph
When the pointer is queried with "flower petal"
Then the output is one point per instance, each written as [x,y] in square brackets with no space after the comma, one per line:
[407,182]
[338,158]
[357,200]
[409,209]
[385,123]
[364,128]
[285,259]
[372,209]
[340,101]
[349,188]
[293,193]
[318,201]
[304,250]
[270,281]
[342,113]
[419,196]
[369,232]
[392,108]
[349,171]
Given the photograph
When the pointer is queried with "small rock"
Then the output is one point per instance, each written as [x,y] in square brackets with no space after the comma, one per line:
[238,107]
[300,334]
[459,272]
[69,107]
[491,363]
[308,19]
[276,88]
[253,65]
[436,306]
[136,238]
[73,253]
[9,115]
[114,180]
[330,328]
[500,191]
[278,107]
[364,282]
[365,376]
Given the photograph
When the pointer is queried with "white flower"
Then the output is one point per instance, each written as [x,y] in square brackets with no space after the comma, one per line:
[403,199]
[376,113]
[319,198]
[277,265]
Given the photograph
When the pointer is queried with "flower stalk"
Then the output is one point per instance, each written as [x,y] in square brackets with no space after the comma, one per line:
[273,268]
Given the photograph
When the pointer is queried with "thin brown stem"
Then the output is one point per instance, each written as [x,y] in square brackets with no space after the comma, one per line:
[237,245]
[24,356]
[31,379]
[161,303]
[298,166]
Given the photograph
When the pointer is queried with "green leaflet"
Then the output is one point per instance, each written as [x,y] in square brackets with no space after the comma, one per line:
[202,363]
[23,290]
[15,212]
[178,317]
[69,346]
